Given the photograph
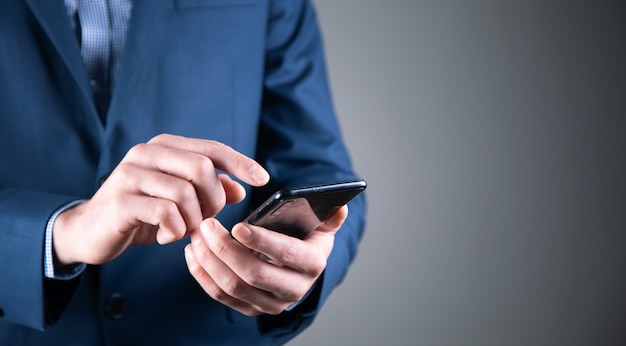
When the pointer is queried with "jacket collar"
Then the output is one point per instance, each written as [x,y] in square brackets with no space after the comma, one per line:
[141,34]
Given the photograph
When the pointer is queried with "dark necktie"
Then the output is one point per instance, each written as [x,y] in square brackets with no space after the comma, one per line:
[100,26]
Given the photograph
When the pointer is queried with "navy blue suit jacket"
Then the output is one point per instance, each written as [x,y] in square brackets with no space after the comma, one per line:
[249,73]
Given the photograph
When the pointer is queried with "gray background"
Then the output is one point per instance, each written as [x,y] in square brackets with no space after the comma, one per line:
[492,136]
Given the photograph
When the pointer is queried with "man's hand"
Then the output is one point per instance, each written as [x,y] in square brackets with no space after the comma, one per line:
[256,270]
[160,191]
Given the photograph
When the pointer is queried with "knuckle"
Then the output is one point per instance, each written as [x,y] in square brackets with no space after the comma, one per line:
[258,276]
[204,167]
[212,208]
[124,177]
[185,192]
[137,150]
[211,147]
[218,294]
[165,210]
[291,297]
[295,293]
[289,255]
[234,287]
[124,171]
[318,265]
[214,204]
[159,138]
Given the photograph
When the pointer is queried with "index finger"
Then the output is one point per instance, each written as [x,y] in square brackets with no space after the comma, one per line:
[305,256]
[223,156]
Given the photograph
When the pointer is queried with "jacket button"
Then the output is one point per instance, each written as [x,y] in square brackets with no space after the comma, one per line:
[115,306]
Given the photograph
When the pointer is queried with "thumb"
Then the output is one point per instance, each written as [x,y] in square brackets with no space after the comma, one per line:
[335,220]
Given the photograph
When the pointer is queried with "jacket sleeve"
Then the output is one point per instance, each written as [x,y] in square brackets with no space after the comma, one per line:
[23,218]
[300,143]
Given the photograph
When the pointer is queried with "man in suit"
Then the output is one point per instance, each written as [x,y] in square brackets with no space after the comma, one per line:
[128,157]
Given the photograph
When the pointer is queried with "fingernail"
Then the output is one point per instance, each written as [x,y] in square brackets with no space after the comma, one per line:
[206,228]
[259,175]
[164,237]
[242,234]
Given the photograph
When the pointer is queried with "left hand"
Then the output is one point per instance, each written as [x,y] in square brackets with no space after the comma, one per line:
[256,270]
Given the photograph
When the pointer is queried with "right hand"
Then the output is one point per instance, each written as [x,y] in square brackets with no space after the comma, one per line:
[160,191]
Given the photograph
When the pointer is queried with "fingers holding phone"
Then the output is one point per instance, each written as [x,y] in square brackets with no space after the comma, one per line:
[255,270]
[272,259]
[306,255]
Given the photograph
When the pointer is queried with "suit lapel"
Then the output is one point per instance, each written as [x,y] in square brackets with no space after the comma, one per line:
[64,54]
[140,37]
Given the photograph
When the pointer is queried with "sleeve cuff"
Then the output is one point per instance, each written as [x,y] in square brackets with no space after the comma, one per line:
[50,271]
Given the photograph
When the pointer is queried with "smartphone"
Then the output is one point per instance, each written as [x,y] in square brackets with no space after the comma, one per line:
[298,211]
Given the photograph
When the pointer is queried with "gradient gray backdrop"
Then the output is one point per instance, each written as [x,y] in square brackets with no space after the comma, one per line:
[492,136]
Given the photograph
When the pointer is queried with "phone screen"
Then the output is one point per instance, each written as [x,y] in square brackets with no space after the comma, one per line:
[298,211]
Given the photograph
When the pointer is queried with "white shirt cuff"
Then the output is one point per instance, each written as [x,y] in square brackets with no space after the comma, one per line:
[67,272]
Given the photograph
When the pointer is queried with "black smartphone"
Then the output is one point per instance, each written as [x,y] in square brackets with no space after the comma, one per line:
[298,211]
